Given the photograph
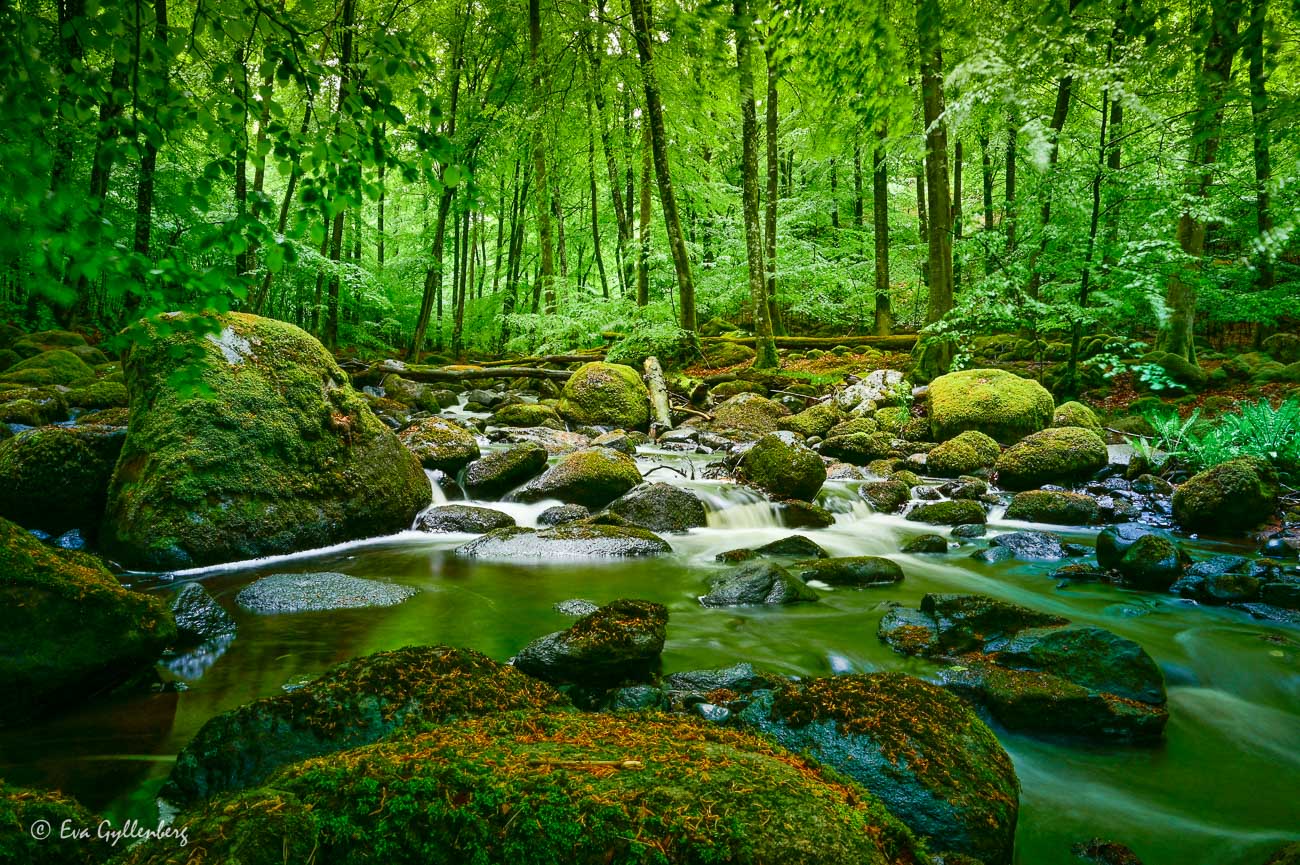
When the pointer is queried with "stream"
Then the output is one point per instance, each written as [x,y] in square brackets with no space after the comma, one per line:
[1220,790]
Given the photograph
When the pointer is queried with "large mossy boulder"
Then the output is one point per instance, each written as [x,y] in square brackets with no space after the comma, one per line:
[750,414]
[660,507]
[917,748]
[781,465]
[1055,455]
[32,406]
[592,477]
[570,541]
[537,789]
[605,394]
[57,367]
[850,571]
[1054,506]
[618,643]
[526,414]
[992,401]
[860,449]
[816,420]
[954,512]
[67,627]
[1235,495]
[355,703]
[268,449]
[963,454]
[22,811]
[499,472]
[440,444]
[1076,414]
[55,478]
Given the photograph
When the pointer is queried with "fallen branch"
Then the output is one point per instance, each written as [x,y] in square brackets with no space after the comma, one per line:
[548,358]
[433,374]
[654,379]
[898,342]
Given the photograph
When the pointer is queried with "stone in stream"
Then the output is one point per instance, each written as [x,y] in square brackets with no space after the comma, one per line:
[1054,506]
[199,618]
[797,546]
[963,454]
[592,477]
[748,414]
[782,465]
[1054,455]
[756,583]
[739,678]
[67,627]
[605,394]
[852,571]
[619,642]
[1102,852]
[816,420]
[528,414]
[556,442]
[355,703]
[926,544]
[998,403]
[462,518]
[1222,580]
[568,541]
[1114,541]
[440,444]
[496,474]
[1036,546]
[660,507]
[920,750]
[591,781]
[1235,495]
[559,514]
[617,440]
[887,496]
[859,449]
[1153,562]
[954,512]
[796,514]
[576,607]
[277,453]
[314,592]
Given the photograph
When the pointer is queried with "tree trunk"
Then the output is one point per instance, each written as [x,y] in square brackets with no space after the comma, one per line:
[148,163]
[773,177]
[654,379]
[336,240]
[264,293]
[922,225]
[1260,133]
[622,215]
[595,207]
[643,230]
[835,194]
[659,146]
[884,318]
[1176,336]
[956,211]
[1009,214]
[1064,86]
[766,348]
[937,355]
[857,186]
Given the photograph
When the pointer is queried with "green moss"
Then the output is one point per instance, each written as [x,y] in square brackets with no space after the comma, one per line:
[998,403]
[101,394]
[727,389]
[1187,374]
[864,425]
[1238,494]
[47,340]
[66,623]
[606,394]
[814,421]
[887,496]
[1050,506]
[526,415]
[1076,414]
[8,358]
[499,472]
[859,449]
[592,477]
[963,454]
[49,368]
[722,353]
[957,512]
[750,413]
[105,417]
[272,452]
[440,444]
[54,478]
[1055,455]
[32,406]
[784,467]
[20,808]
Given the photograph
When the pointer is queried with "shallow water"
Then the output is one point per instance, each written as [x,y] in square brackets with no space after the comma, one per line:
[1221,790]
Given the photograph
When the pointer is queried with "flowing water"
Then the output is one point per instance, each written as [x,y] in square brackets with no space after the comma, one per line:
[1222,789]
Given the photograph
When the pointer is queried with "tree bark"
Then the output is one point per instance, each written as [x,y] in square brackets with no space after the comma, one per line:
[659,145]
[1009,199]
[857,186]
[595,207]
[835,194]
[937,355]
[654,379]
[884,317]
[546,243]
[336,239]
[766,348]
[643,229]
[1260,134]
[148,162]
[773,178]
[956,211]
[622,216]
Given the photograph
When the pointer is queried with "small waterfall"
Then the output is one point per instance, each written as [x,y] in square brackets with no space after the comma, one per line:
[736,507]
[438,496]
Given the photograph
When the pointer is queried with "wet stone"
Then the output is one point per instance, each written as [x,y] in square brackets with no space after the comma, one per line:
[301,593]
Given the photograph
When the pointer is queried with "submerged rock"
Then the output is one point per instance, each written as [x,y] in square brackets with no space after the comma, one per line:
[606,394]
[357,702]
[462,518]
[617,643]
[302,593]
[756,583]
[67,627]
[440,444]
[275,453]
[782,465]
[660,507]
[568,541]
[919,749]
[592,477]
[502,471]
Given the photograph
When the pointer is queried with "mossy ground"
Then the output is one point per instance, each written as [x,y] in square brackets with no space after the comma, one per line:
[21,808]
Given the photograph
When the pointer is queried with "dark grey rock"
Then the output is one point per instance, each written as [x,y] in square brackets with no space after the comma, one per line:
[660,507]
[462,518]
[567,541]
[198,615]
[756,583]
[558,514]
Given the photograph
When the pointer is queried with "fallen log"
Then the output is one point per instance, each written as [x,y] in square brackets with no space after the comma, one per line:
[435,374]
[897,342]
[654,379]
[549,358]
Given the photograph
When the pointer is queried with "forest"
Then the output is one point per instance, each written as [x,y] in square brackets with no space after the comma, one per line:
[649,432]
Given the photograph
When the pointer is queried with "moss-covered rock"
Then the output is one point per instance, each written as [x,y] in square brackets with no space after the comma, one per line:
[722,353]
[108,417]
[21,809]
[606,394]
[926,755]
[272,452]
[33,344]
[355,703]
[565,542]
[502,471]
[727,389]
[67,627]
[100,395]
[852,571]
[440,444]
[887,496]
[955,512]
[749,413]
[860,449]
[1055,455]
[529,789]
[413,394]
[1231,496]
[660,507]
[1182,371]
[816,420]
[9,358]
[864,425]
[783,466]
[32,406]
[756,583]
[592,477]
[55,479]
[1153,562]
[1053,506]
[618,643]
[963,454]
[1284,347]
[462,518]
[1076,414]
[525,415]
[49,368]
[1001,404]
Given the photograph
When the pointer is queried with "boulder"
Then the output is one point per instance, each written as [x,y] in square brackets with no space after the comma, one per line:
[1055,455]
[462,518]
[100,395]
[620,642]
[723,353]
[797,514]
[1187,374]
[32,406]
[22,808]
[886,497]
[749,413]
[1032,546]
[860,449]
[1076,414]
[660,507]
[525,414]
[58,367]
[1114,541]
[559,514]
[797,546]
[1283,347]
[519,789]
[782,465]
[1054,506]
[1092,657]
[926,755]
[926,544]
[814,421]
[440,444]
[499,472]
[556,442]
[274,453]
[565,542]
[605,394]
[592,477]
[1235,495]
[878,387]
[198,616]
[998,403]
[852,571]
[963,454]
[955,512]
[55,478]
[1152,562]
[314,592]
[756,583]
[355,703]
[67,627]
